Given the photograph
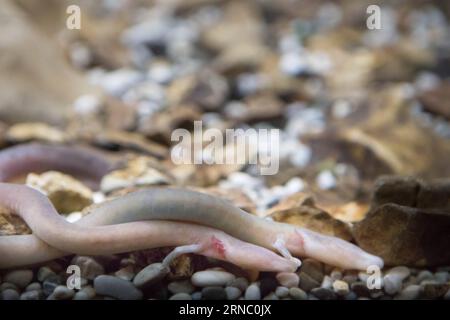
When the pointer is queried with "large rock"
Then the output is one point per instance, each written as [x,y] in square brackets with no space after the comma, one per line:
[415,232]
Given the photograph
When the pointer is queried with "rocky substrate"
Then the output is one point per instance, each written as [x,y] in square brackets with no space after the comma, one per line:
[313,281]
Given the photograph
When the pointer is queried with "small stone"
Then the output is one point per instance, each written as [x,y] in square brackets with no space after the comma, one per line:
[211,278]
[336,274]
[282,292]
[424,275]
[196,296]
[214,293]
[21,278]
[50,283]
[411,292]
[340,287]
[394,278]
[86,293]
[116,288]
[307,283]
[360,288]
[240,283]
[233,293]
[150,275]
[90,268]
[33,286]
[9,294]
[267,285]
[351,296]
[65,192]
[441,277]
[7,285]
[31,295]
[61,293]
[271,296]
[324,293]
[298,294]
[363,276]
[44,273]
[183,286]
[350,278]
[313,268]
[253,292]
[126,273]
[181,296]
[288,279]
[327,282]
[434,290]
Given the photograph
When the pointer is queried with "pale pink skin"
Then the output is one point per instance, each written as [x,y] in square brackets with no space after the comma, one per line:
[64,237]
[154,204]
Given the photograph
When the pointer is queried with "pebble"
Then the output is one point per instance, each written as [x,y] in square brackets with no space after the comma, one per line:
[424,275]
[327,282]
[394,278]
[183,286]
[214,293]
[411,292]
[434,290]
[7,285]
[307,283]
[33,286]
[313,268]
[150,275]
[44,273]
[90,268]
[282,292]
[341,288]
[211,278]
[9,294]
[86,293]
[288,279]
[271,296]
[336,274]
[61,293]
[31,295]
[298,294]
[196,296]
[324,293]
[126,273]
[441,277]
[351,296]
[21,278]
[232,293]
[253,292]
[350,278]
[360,288]
[116,288]
[50,284]
[267,285]
[181,296]
[240,283]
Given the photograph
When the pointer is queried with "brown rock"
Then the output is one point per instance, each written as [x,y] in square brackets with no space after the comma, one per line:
[436,100]
[31,131]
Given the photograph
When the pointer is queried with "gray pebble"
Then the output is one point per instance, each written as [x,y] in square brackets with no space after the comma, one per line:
[350,278]
[288,279]
[253,292]
[7,285]
[21,278]
[271,296]
[298,294]
[116,288]
[351,296]
[336,274]
[232,293]
[89,267]
[61,293]
[327,282]
[196,295]
[240,283]
[324,293]
[33,286]
[441,277]
[44,273]
[424,275]
[214,293]
[50,284]
[126,273]
[9,294]
[183,286]
[181,296]
[86,293]
[282,292]
[150,275]
[31,295]
[307,283]
[209,278]
[394,278]
[411,292]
